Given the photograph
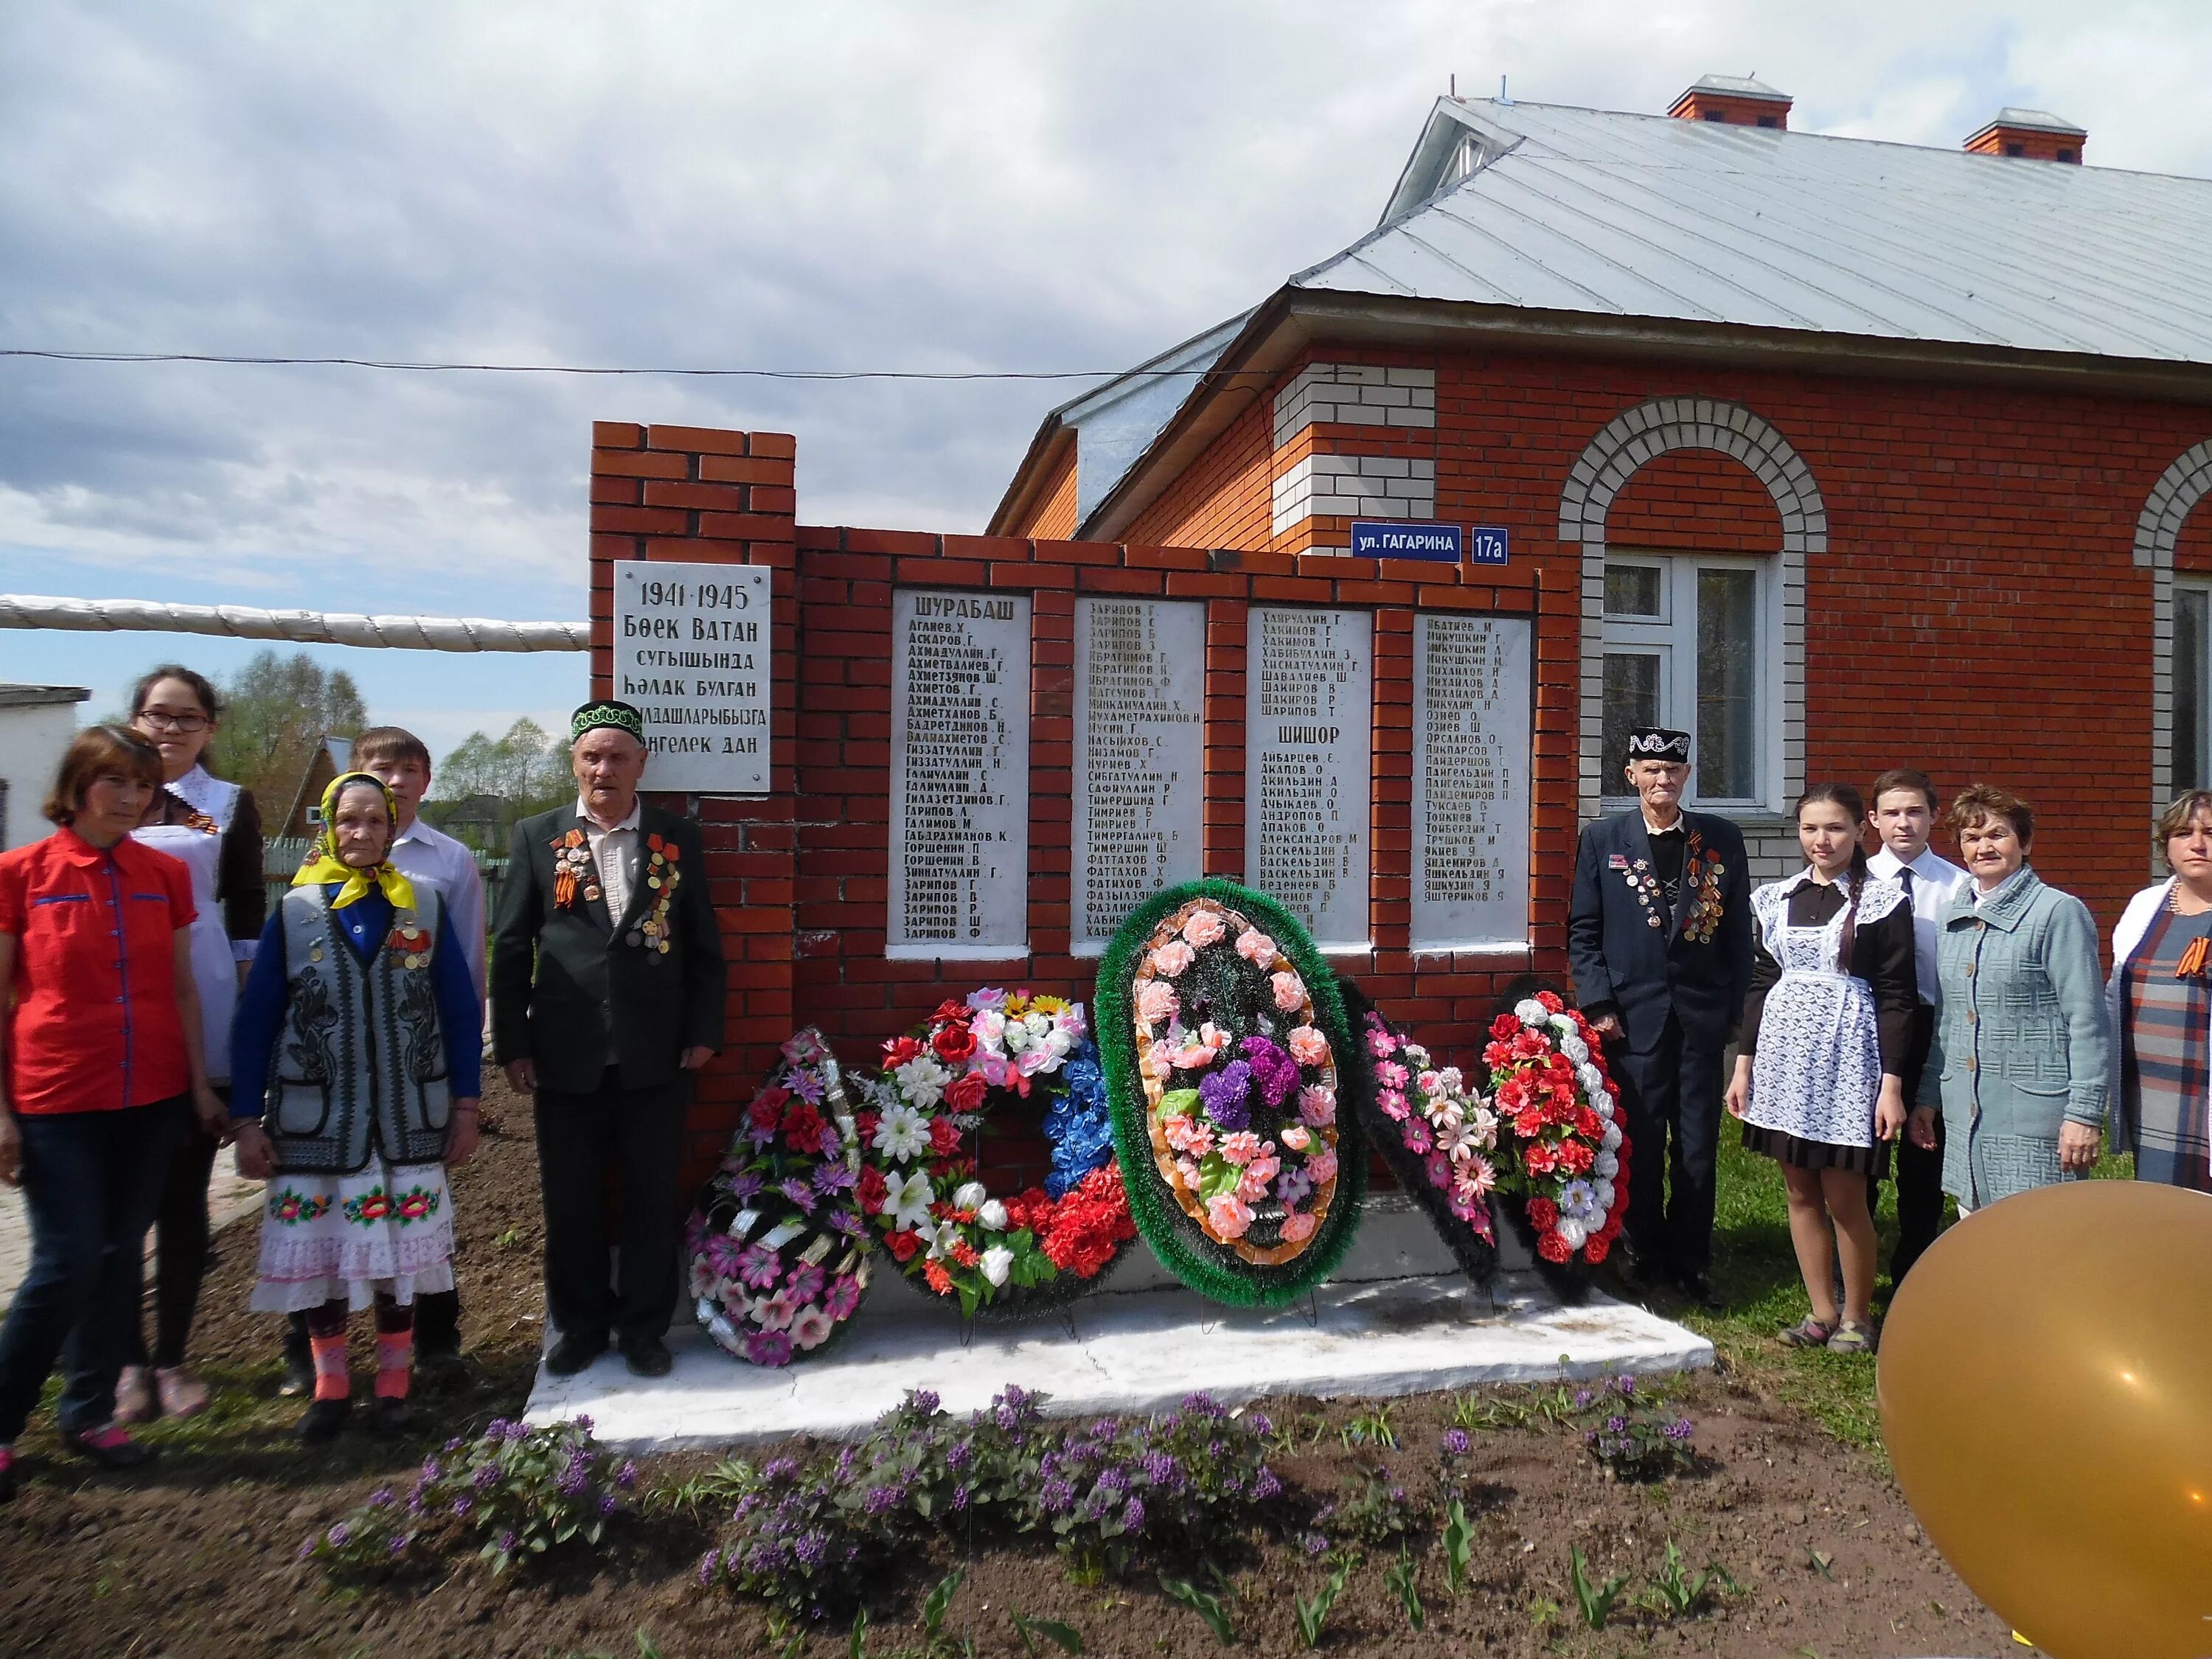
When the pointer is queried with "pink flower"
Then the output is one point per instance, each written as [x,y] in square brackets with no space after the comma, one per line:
[1228,1216]
[1380,1044]
[1265,1166]
[1186,1169]
[776,1312]
[1162,1061]
[1189,1134]
[1391,1075]
[1290,992]
[811,1330]
[1256,947]
[1439,1170]
[1297,1137]
[1317,1105]
[1157,1001]
[1191,1057]
[844,1296]
[1173,959]
[1204,927]
[1431,1083]
[1298,1227]
[1251,1187]
[1212,1036]
[1241,1147]
[1476,1177]
[1417,1135]
[1308,1047]
[1321,1166]
[1393,1105]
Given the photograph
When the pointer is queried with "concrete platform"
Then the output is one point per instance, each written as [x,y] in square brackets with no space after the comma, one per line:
[1132,1350]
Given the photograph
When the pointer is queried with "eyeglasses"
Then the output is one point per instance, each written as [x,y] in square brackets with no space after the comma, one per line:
[163,722]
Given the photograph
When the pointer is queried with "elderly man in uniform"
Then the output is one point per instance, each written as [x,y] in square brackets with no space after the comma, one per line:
[1659,940]
[606,988]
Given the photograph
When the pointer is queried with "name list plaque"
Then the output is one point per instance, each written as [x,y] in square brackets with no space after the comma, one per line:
[960,775]
[1309,708]
[1472,760]
[691,651]
[1137,822]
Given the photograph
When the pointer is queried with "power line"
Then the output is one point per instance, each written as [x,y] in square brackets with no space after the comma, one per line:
[590,369]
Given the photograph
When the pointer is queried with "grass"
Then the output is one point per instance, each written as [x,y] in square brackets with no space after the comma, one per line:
[1756,1268]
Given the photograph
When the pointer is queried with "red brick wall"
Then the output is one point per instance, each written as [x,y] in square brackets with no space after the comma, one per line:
[1052,514]
[1225,499]
[800,878]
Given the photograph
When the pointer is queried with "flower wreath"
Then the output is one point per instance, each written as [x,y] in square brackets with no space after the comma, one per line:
[778,1248]
[1560,1152]
[1438,1136]
[1235,1092]
[920,1139]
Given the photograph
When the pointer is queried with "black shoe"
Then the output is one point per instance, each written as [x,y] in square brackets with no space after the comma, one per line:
[299,1379]
[1636,1272]
[390,1416]
[441,1368]
[121,1454]
[647,1356]
[324,1420]
[572,1353]
[1697,1285]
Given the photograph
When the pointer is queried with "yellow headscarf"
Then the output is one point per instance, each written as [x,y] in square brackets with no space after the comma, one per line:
[323,864]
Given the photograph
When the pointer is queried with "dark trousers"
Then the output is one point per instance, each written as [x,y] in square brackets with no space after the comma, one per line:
[1671,1098]
[1919,1174]
[180,1244]
[436,1315]
[90,1183]
[638,1133]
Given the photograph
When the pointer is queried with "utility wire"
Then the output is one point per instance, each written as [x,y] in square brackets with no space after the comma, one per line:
[575,369]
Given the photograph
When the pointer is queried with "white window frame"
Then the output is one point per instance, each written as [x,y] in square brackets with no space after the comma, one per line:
[2199,773]
[1672,636]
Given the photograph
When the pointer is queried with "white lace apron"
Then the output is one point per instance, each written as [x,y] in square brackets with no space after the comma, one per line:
[1817,1072]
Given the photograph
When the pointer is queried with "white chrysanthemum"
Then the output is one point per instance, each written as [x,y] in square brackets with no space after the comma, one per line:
[1592,1079]
[922,1080]
[1606,1165]
[1452,1079]
[969,1195]
[1611,1141]
[902,1134]
[1418,1057]
[907,1198]
[1601,1103]
[1575,1048]
[1562,1025]
[1604,1189]
[1573,1233]
[998,1262]
[993,1215]
[1531,1013]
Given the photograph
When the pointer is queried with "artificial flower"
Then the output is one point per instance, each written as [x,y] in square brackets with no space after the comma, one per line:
[1228,1216]
[1157,1001]
[922,1080]
[1298,1227]
[1204,927]
[996,1262]
[992,1215]
[907,1198]
[1256,947]
[1172,960]
[902,1136]
[811,1329]
[1317,1105]
[1307,1046]
[1290,992]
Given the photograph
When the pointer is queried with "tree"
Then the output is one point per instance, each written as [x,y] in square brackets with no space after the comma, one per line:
[277,710]
[485,785]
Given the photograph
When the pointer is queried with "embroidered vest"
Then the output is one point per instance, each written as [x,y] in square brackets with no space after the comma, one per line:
[360,1063]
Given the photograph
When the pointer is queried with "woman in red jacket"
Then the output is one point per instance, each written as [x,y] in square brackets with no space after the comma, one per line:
[100,1068]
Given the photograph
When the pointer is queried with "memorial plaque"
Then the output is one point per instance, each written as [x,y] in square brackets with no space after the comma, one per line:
[1138,819]
[1473,697]
[960,775]
[1309,710]
[691,651]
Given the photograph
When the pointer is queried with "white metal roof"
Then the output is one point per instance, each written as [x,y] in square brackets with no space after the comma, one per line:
[1596,211]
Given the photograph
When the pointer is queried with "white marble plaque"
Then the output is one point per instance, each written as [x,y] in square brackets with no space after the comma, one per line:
[1309,679]
[1472,698]
[960,775]
[1138,818]
[691,651]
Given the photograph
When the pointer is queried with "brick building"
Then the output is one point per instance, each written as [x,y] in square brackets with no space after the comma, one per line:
[1855,454]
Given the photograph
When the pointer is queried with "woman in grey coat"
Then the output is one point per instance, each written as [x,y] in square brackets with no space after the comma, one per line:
[2024,1044]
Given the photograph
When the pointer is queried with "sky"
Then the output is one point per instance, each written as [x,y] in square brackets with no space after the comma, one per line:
[992,185]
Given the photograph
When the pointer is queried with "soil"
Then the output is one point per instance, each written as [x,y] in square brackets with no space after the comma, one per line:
[196,1554]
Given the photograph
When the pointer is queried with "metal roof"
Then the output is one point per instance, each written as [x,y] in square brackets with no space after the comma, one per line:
[15,695]
[1600,213]
[1736,86]
[2038,121]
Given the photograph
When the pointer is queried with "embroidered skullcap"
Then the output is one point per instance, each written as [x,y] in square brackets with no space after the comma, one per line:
[1657,743]
[606,712]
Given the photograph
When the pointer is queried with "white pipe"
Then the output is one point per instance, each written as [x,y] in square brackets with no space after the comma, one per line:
[299,627]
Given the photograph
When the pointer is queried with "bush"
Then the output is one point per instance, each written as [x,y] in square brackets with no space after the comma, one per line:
[1632,1438]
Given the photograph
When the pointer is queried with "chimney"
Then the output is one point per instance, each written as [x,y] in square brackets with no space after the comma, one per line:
[1736,100]
[2033,135]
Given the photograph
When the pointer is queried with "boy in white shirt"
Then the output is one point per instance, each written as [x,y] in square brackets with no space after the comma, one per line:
[1902,814]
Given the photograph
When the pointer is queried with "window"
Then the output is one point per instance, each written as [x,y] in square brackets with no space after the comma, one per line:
[1717,115]
[1770,121]
[2192,695]
[1687,644]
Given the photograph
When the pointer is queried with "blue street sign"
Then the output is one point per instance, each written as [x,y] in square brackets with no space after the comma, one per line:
[1485,544]
[1439,542]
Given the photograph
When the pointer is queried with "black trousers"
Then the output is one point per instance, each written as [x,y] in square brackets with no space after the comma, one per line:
[180,1243]
[1671,1098]
[639,1134]
[1919,1174]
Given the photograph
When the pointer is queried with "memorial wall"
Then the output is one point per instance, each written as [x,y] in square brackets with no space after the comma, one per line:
[929,762]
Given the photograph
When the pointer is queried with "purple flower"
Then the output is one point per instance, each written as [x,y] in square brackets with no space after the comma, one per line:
[832,1177]
[1316,1544]
[508,1543]
[1272,1068]
[1203,1404]
[496,1429]
[768,1347]
[746,1187]
[1260,1423]
[626,1476]
[607,1504]
[844,1295]
[1055,1497]
[1457,1444]
[462,1506]
[573,1481]
[879,1499]
[960,1496]
[708,1563]
[784,1468]
[380,1497]
[1106,1428]
[453,1445]
[582,1425]
[1293,1187]
[959,1457]
[1616,1425]
[431,1470]
[799,1192]
[806,1283]
[924,1402]
[398,1544]
[1680,1431]
[1626,1383]
[1132,1515]
[340,1535]
[1583,1398]
[1265,1485]
[306,1549]
[1115,1481]
[805,1085]
[486,1478]
[1162,1470]
[1224,1096]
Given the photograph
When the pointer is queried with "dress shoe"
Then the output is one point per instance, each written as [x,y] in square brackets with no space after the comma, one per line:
[1697,1285]
[324,1420]
[572,1353]
[441,1368]
[109,1447]
[1636,1272]
[390,1416]
[647,1356]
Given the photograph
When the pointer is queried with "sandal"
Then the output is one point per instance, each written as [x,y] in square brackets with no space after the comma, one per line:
[1808,1333]
[1852,1338]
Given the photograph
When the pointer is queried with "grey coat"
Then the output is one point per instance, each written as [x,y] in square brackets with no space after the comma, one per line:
[2023,1043]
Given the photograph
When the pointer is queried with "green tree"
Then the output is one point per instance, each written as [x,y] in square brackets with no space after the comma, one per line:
[277,710]
[486,784]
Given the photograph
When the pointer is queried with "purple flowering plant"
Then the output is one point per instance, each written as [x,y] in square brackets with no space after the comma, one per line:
[1632,1436]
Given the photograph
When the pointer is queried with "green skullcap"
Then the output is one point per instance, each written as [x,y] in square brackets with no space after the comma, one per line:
[607,711]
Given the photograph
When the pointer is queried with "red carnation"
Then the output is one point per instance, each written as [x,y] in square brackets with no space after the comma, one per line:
[1497,1055]
[1503,1027]
[1588,1124]
[954,1043]
[802,1128]
[1543,1214]
[864,1124]
[1551,1002]
[1552,1247]
[904,1243]
[1574,1157]
[1596,1251]
[944,1136]
[899,1050]
[1529,1045]
[765,1113]
[870,1189]
[967,1092]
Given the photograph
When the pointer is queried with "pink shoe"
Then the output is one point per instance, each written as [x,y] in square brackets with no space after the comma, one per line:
[109,1447]
[133,1396]
[183,1395]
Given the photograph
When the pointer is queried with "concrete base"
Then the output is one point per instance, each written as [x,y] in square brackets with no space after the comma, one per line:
[1130,1351]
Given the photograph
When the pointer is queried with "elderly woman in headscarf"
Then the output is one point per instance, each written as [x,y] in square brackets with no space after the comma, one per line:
[356,1074]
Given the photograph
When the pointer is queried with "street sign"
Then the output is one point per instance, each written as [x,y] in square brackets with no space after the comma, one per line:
[1439,542]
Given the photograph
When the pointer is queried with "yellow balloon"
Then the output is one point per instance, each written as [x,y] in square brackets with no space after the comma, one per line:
[2045,1385]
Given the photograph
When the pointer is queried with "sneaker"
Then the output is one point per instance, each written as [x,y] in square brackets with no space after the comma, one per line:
[135,1402]
[109,1447]
[182,1394]
[1851,1337]
[323,1421]
[1808,1333]
[390,1416]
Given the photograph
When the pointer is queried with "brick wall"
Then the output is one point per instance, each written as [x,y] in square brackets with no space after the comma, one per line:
[1052,513]
[800,878]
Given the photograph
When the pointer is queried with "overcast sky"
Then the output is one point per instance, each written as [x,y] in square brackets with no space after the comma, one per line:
[1007,186]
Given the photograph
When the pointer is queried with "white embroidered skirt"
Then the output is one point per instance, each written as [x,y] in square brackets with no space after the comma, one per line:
[328,1237]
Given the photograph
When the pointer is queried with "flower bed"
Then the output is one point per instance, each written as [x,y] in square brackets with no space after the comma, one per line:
[1562,1160]
[1235,1092]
